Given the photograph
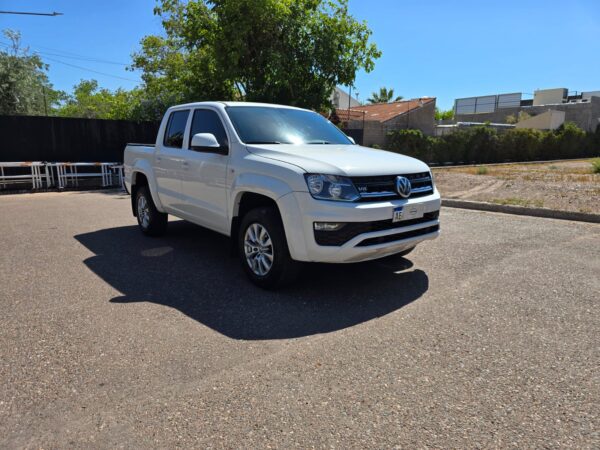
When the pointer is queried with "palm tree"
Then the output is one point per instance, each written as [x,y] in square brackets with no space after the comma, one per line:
[384,95]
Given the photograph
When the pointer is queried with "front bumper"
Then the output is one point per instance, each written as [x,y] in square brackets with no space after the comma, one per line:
[299,212]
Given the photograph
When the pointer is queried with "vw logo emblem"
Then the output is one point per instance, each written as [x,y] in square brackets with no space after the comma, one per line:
[403,186]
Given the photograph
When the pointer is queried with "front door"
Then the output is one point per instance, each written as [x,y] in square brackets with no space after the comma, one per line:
[205,174]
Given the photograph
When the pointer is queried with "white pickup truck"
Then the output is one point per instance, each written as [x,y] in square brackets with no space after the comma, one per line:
[284,183]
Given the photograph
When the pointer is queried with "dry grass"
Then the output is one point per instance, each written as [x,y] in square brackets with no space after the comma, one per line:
[579,171]
[564,185]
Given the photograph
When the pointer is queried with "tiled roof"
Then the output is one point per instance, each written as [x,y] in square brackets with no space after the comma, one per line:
[382,112]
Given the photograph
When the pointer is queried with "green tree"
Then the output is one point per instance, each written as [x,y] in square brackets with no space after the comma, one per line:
[384,95]
[91,102]
[444,115]
[282,51]
[24,85]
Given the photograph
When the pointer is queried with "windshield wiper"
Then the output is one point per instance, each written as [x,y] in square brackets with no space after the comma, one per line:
[263,142]
[317,141]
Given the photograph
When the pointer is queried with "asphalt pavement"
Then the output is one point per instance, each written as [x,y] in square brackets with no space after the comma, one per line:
[488,337]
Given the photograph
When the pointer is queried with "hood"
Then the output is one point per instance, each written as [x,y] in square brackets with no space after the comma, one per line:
[345,160]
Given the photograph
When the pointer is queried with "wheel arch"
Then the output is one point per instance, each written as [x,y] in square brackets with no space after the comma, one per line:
[138,179]
[142,176]
[245,201]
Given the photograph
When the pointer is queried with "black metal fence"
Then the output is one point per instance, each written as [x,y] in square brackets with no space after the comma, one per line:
[33,138]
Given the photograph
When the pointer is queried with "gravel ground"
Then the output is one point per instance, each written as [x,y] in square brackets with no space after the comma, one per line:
[564,185]
[486,337]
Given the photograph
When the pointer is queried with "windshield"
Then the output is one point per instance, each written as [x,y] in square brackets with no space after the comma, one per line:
[269,125]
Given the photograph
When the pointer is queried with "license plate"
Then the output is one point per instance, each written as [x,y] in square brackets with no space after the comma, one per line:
[407,212]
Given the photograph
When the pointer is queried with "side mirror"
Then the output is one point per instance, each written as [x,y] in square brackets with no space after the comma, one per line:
[207,142]
[352,140]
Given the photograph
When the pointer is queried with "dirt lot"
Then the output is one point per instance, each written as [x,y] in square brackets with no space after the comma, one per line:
[484,338]
[565,185]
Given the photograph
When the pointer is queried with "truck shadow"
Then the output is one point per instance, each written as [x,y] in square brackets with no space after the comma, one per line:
[191,269]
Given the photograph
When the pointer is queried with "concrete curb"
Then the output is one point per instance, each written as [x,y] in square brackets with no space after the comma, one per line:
[522,210]
[548,161]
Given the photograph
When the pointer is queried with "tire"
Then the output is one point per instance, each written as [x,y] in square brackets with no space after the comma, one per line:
[151,221]
[263,249]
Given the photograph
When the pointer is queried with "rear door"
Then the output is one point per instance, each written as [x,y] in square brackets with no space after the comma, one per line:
[169,160]
[205,174]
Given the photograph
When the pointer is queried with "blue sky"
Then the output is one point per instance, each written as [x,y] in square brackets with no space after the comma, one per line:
[440,48]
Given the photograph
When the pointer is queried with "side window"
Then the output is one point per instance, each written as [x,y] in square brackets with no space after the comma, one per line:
[176,129]
[208,121]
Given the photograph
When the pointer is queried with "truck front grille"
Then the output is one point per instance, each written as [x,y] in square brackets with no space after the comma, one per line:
[352,229]
[384,187]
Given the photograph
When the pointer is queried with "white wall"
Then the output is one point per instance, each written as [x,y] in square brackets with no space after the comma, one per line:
[339,98]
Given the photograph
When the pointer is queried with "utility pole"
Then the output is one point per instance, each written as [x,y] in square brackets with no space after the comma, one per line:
[25,13]
[349,97]
[45,101]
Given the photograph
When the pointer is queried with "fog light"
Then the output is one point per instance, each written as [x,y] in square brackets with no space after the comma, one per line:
[327,226]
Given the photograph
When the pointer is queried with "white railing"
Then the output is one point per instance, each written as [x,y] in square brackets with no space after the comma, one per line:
[61,175]
[17,173]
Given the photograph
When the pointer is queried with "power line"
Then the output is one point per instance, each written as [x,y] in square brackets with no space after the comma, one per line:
[64,54]
[83,68]
[52,14]
[82,58]
[91,70]
[57,50]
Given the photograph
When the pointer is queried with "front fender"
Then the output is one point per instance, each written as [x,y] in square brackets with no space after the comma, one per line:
[266,185]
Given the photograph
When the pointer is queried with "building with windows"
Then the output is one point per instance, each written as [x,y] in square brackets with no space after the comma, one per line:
[582,108]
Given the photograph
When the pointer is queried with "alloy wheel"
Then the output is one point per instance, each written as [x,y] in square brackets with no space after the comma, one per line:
[258,249]
[143,211]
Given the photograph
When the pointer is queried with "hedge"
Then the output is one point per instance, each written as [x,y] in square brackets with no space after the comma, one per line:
[484,144]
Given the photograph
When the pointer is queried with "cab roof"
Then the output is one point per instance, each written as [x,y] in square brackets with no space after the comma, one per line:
[221,104]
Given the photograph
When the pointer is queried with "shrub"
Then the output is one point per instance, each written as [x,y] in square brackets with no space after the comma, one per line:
[482,170]
[410,142]
[571,141]
[596,165]
[484,144]
[520,144]
[511,118]
[594,142]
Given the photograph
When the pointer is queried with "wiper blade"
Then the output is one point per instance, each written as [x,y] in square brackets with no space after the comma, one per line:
[317,142]
[263,142]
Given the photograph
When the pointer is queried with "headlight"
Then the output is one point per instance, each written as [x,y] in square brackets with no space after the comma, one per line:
[331,187]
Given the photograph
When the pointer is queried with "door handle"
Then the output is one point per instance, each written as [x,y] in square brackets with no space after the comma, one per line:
[158,158]
[185,164]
